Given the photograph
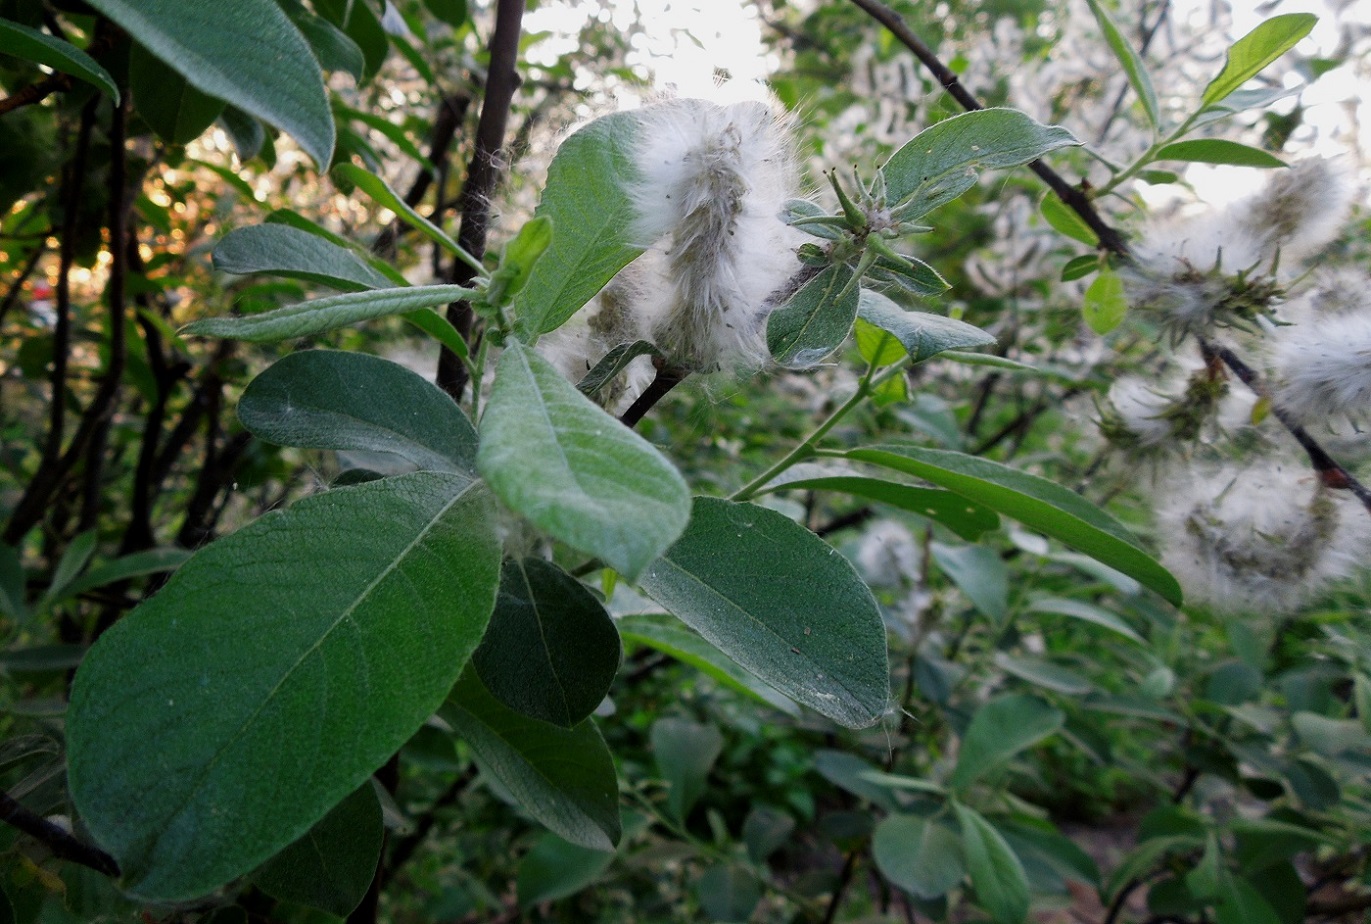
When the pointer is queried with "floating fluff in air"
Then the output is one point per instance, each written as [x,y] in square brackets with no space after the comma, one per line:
[1260,539]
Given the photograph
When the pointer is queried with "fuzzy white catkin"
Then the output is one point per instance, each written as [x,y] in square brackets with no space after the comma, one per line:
[888,555]
[713,182]
[1323,366]
[1300,210]
[1261,539]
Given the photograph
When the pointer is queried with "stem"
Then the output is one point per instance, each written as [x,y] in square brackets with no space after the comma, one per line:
[482,175]
[60,841]
[668,377]
[870,381]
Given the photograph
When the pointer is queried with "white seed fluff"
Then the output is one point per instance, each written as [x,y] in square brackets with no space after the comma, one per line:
[1323,366]
[1261,539]
[1300,210]
[713,181]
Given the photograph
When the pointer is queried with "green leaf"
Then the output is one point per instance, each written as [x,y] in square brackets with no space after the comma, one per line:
[1131,62]
[12,584]
[877,346]
[361,24]
[282,250]
[322,315]
[857,776]
[996,873]
[980,573]
[40,48]
[587,198]
[556,869]
[613,363]
[332,866]
[1361,689]
[517,260]
[1240,903]
[940,163]
[563,777]
[247,53]
[666,634]
[1219,151]
[815,320]
[574,471]
[728,892]
[246,133]
[439,328]
[1086,612]
[685,752]
[73,561]
[452,12]
[1330,737]
[968,520]
[1255,50]
[551,651]
[381,193]
[1033,501]
[1001,728]
[1080,267]
[920,855]
[1045,674]
[922,333]
[1065,219]
[138,564]
[167,102]
[1105,303]
[332,47]
[325,399]
[782,603]
[314,641]
[765,831]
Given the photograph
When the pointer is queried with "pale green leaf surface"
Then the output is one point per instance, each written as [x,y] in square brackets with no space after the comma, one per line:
[782,603]
[940,163]
[40,48]
[551,651]
[332,866]
[1219,151]
[573,470]
[997,875]
[922,333]
[314,642]
[1105,302]
[1033,501]
[1001,728]
[1130,60]
[326,399]
[246,52]
[282,250]
[563,777]
[1250,54]
[815,320]
[920,855]
[321,315]
[588,200]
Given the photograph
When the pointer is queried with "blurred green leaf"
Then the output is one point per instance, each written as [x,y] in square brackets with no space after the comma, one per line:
[556,869]
[685,752]
[1001,728]
[920,855]
[40,48]
[996,873]
[1105,303]
[1130,60]
[1251,54]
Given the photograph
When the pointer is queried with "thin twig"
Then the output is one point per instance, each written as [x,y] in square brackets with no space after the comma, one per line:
[668,377]
[59,840]
[844,880]
[1329,471]
[501,82]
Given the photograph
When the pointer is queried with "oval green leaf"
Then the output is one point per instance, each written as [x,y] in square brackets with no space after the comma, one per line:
[325,399]
[246,52]
[587,198]
[322,315]
[313,642]
[40,48]
[997,875]
[1000,729]
[1033,501]
[1105,304]
[564,777]
[282,250]
[574,471]
[1250,54]
[920,855]
[922,333]
[1219,151]
[1066,220]
[782,603]
[815,320]
[332,866]
[551,651]
[940,163]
